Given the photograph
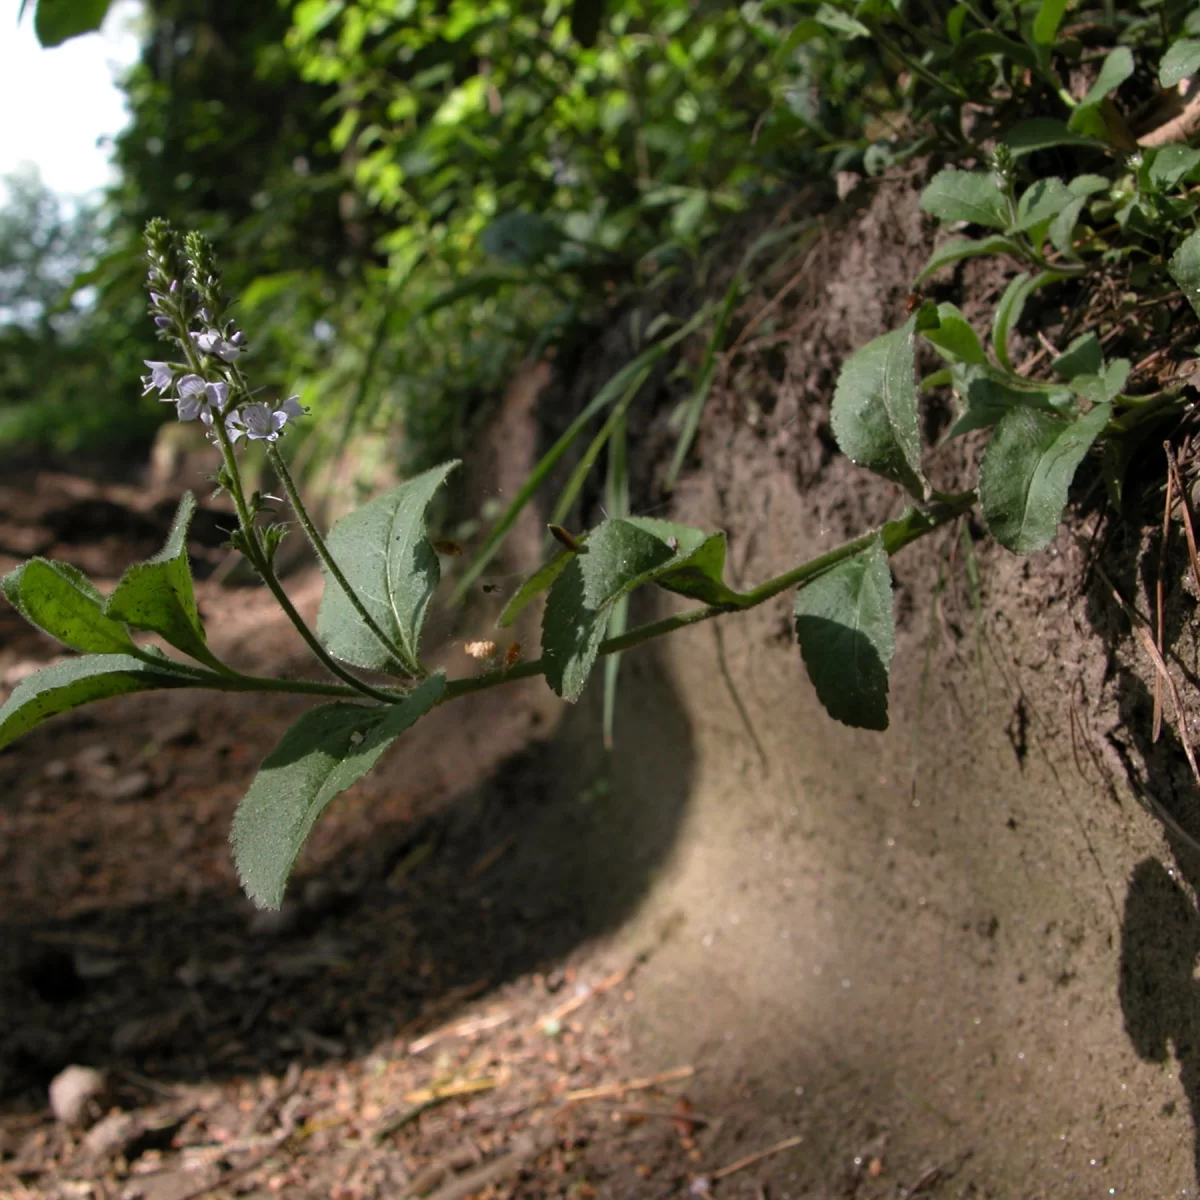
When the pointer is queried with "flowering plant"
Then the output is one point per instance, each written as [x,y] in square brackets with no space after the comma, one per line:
[381,572]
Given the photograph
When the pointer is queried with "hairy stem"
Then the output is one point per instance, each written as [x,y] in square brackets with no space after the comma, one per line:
[895,537]
[318,544]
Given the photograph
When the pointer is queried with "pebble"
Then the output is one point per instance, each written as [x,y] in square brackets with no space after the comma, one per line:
[75,1093]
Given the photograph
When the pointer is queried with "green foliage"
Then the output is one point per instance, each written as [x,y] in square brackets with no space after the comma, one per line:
[321,755]
[61,601]
[157,595]
[874,414]
[80,681]
[1029,464]
[847,635]
[386,557]
[56,21]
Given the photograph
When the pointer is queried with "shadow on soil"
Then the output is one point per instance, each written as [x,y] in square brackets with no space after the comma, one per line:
[557,847]
[1160,928]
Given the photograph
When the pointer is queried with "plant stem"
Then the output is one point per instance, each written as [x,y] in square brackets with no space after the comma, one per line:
[896,535]
[318,544]
[258,560]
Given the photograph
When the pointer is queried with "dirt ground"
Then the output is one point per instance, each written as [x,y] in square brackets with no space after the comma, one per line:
[751,953]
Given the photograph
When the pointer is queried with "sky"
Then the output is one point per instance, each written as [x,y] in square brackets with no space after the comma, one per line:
[59,105]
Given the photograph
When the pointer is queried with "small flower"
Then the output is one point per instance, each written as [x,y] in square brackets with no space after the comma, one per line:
[161,376]
[259,422]
[199,399]
[211,341]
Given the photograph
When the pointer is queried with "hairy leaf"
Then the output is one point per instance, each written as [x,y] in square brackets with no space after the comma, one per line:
[1027,470]
[957,249]
[1180,62]
[975,196]
[846,628]
[989,396]
[954,338]
[320,756]
[61,601]
[874,415]
[619,556]
[67,685]
[157,595]
[1184,268]
[387,559]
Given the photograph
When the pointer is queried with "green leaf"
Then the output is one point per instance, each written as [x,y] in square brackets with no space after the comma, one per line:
[846,628]
[61,601]
[960,248]
[156,595]
[1062,229]
[698,568]
[989,397]
[78,681]
[386,558]
[320,756]
[1027,471]
[1084,356]
[954,337]
[617,557]
[841,23]
[1012,305]
[874,415]
[533,587]
[1180,62]
[1103,385]
[1044,133]
[1184,268]
[1117,68]
[1040,202]
[56,21]
[974,196]
[1048,19]
[1171,165]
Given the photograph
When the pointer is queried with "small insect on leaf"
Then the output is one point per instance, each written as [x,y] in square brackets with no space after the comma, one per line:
[448,548]
[565,538]
[512,655]
[914,301]
[481,650]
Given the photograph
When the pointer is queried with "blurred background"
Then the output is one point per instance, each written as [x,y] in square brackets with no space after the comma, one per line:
[409,196]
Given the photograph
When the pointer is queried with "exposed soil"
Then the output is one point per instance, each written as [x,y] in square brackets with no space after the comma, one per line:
[954,960]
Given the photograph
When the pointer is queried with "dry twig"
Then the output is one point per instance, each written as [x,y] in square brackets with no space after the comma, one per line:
[634,1085]
[751,1159]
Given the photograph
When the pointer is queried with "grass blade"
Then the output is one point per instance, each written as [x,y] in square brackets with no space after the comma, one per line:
[603,398]
[617,495]
[695,409]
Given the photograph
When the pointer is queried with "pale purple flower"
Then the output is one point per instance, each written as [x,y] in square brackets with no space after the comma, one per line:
[211,341]
[200,399]
[161,376]
[260,422]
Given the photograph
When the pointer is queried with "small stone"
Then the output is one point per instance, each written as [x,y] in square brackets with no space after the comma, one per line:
[75,1094]
[95,762]
[57,770]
